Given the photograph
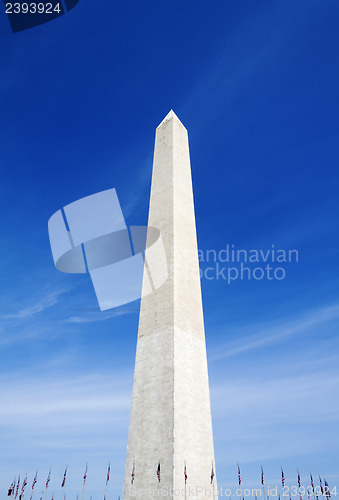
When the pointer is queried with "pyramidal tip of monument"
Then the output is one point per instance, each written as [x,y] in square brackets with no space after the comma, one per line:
[171,115]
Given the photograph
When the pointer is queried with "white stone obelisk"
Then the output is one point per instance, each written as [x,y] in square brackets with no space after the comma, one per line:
[171,415]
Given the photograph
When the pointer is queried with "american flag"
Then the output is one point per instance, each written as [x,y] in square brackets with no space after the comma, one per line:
[17,488]
[312,483]
[48,478]
[24,484]
[108,472]
[327,490]
[185,474]
[212,474]
[282,478]
[262,477]
[133,473]
[158,472]
[239,475]
[64,478]
[321,486]
[313,489]
[11,490]
[299,481]
[85,475]
[35,480]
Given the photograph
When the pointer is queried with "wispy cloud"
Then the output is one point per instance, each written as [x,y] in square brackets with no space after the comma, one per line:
[45,302]
[271,334]
[277,417]
[66,402]
[100,316]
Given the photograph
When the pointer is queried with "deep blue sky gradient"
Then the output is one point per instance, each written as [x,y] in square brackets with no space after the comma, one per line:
[256,85]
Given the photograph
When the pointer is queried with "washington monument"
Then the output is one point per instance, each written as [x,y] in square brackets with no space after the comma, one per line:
[170,449]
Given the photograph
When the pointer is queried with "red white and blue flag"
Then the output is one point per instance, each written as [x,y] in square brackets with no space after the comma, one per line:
[313,489]
[85,475]
[321,486]
[17,488]
[133,473]
[11,490]
[327,490]
[108,472]
[185,474]
[212,474]
[312,483]
[299,481]
[35,480]
[282,478]
[64,478]
[239,476]
[48,478]
[262,477]
[24,484]
[158,473]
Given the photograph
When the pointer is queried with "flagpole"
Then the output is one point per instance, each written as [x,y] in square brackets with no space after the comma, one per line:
[299,485]
[34,483]
[239,481]
[13,489]
[47,482]
[84,486]
[107,480]
[213,480]
[263,482]
[282,479]
[321,487]
[313,488]
[24,484]
[63,484]
[158,477]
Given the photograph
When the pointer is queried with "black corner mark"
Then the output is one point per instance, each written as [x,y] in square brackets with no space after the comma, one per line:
[26,14]
[70,4]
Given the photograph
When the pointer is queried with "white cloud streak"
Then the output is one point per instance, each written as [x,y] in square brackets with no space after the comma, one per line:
[272,335]
[49,300]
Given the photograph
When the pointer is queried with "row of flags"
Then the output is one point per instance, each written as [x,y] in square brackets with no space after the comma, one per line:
[323,490]
[13,490]
[158,473]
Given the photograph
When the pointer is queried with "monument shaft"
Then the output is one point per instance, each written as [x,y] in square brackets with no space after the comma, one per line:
[171,417]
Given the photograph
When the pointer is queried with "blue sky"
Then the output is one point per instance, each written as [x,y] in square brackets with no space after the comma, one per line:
[255,84]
